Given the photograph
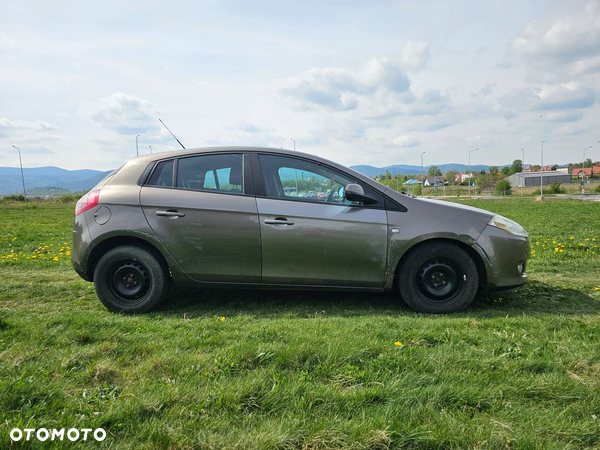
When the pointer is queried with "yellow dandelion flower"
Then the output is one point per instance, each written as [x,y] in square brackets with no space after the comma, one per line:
[556,249]
[222,319]
[398,343]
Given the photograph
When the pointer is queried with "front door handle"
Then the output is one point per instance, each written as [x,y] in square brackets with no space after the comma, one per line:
[278,221]
[170,214]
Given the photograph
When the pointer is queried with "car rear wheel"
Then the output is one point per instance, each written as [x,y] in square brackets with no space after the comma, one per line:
[438,278]
[131,279]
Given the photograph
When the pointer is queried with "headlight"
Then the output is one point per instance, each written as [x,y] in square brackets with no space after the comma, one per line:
[508,225]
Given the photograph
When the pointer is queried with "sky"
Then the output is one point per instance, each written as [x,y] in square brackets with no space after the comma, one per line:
[377,82]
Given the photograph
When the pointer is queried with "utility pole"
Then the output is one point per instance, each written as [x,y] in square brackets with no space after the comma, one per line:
[22,176]
[542,174]
[469,174]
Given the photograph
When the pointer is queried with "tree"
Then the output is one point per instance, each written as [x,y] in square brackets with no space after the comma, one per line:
[588,163]
[516,167]
[388,175]
[434,171]
[503,188]
[493,170]
[484,181]
[450,176]
[505,171]
[537,168]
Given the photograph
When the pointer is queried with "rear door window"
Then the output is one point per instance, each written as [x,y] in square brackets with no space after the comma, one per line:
[211,172]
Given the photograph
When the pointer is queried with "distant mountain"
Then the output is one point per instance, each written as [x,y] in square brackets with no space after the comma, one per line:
[372,171]
[39,177]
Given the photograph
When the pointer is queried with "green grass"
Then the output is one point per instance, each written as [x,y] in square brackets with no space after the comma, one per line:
[285,370]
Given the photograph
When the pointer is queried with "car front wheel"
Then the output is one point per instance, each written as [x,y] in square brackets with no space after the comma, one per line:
[131,279]
[438,278]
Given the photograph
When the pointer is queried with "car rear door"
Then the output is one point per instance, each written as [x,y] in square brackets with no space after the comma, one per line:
[203,211]
[307,240]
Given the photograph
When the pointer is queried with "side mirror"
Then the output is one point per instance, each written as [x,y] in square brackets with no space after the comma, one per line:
[355,193]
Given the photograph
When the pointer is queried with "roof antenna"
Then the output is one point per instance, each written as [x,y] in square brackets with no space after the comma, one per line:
[172,134]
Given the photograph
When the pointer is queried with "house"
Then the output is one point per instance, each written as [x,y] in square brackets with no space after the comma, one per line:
[434,181]
[528,169]
[463,177]
[588,171]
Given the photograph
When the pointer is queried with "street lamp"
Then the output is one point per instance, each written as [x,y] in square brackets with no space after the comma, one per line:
[542,174]
[583,170]
[22,177]
[421,176]
[294,143]
[522,177]
[471,151]
[137,151]
[150,149]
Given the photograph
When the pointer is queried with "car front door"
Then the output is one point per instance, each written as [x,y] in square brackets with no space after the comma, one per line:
[200,208]
[312,235]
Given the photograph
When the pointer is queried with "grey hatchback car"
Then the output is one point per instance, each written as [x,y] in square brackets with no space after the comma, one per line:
[266,218]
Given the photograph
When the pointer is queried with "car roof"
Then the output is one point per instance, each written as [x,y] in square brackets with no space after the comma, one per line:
[224,149]
[146,159]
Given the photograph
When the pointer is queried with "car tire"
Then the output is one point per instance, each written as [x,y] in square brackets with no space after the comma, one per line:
[131,279]
[438,278]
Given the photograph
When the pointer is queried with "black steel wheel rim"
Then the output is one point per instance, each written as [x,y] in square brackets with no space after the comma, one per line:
[129,280]
[439,280]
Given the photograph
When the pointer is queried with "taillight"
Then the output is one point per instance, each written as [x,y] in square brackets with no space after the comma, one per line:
[88,201]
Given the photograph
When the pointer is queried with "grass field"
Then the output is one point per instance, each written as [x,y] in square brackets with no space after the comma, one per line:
[304,370]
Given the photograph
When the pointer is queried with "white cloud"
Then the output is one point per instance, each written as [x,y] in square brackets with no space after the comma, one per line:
[407,141]
[124,114]
[415,56]
[38,125]
[564,116]
[6,42]
[562,39]
[486,90]
[342,89]
[588,65]
[550,97]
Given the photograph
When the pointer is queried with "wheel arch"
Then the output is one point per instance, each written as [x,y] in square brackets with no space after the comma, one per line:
[118,241]
[478,259]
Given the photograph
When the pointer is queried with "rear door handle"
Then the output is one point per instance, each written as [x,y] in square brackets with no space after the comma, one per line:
[170,214]
[278,221]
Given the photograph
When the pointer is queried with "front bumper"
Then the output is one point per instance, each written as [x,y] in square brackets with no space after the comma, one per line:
[507,255]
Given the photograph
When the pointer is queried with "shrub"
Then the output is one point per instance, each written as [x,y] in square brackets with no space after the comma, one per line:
[556,188]
[503,188]
[13,198]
